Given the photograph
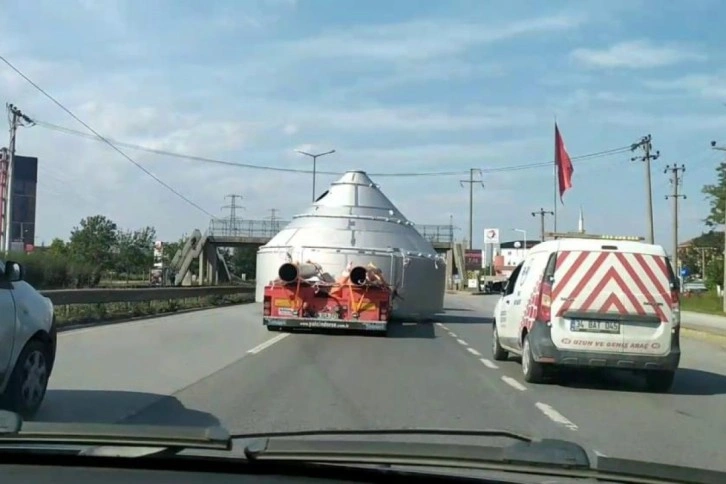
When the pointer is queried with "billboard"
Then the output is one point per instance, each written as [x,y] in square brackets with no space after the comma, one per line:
[473,260]
[24,186]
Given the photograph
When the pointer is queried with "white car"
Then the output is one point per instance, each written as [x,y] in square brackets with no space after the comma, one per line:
[594,303]
[27,342]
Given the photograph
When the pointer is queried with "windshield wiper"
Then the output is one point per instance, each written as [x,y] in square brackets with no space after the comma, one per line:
[14,431]
[550,452]
[545,457]
[401,431]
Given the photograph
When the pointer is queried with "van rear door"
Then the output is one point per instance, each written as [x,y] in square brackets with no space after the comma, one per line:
[609,300]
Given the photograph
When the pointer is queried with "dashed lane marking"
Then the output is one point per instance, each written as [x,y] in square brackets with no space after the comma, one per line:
[473,351]
[555,416]
[462,342]
[452,334]
[268,343]
[489,363]
[513,383]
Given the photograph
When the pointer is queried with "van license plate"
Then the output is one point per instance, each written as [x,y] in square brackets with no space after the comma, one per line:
[590,326]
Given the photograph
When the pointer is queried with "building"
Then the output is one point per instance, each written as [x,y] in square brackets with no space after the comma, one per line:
[509,254]
[22,221]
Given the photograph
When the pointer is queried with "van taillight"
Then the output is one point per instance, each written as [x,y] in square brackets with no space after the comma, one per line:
[676,306]
[545,303]
[267,306]
[383,310]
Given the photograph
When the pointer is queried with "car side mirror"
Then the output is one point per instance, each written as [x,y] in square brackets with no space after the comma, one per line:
[13,271]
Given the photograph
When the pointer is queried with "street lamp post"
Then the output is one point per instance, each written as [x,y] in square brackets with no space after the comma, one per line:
[315,163]
[524,233]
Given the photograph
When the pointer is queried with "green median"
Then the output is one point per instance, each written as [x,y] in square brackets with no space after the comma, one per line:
[79,314]
[706,303]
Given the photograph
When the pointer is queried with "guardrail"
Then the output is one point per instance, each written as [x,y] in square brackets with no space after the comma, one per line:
[62,297]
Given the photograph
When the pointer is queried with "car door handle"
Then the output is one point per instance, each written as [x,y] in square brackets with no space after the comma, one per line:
[506,302]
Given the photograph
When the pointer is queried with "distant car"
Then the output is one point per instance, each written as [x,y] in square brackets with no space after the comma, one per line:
[27,342]
[695,286]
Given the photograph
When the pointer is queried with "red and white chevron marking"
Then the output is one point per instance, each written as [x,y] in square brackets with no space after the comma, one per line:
[530,311]
[618,282]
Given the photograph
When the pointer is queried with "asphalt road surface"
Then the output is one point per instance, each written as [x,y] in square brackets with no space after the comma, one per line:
[222,366]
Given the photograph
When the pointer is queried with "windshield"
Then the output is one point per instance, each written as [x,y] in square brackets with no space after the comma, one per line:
[304,215]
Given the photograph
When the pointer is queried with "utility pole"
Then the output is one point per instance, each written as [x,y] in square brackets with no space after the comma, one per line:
[17,118]
[315,164]
[723,283]
[233,212]
[542,212]
[471,181]
[676,182]
[648,156]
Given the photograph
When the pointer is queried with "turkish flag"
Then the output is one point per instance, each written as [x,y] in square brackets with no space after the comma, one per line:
[563,164]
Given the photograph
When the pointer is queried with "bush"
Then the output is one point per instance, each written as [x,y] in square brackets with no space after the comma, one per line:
[46,270]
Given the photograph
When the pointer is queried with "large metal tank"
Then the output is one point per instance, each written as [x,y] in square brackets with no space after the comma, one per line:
[355,223]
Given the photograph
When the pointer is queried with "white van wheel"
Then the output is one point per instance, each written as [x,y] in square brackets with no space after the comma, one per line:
[498,353]
[532,370]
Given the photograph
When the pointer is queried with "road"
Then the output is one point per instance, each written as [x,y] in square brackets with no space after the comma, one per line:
[222,367]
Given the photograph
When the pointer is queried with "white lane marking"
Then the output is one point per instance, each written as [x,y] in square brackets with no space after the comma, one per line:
[462,342]
[599,454]
[473,351]
[452,334]
[555,416]
[489,363]
[268,343]
[513,383]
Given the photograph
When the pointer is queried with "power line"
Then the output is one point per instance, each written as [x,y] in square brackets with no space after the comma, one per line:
[471,181]
[676,182]
[101,138]
[252,166]
[542,212]
[648,156]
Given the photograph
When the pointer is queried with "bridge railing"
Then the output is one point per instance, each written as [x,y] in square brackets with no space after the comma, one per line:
[226,227]
[437,234]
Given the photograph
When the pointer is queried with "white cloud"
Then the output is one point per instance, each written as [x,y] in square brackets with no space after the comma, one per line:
[705,85]
[636,54]
[423,39]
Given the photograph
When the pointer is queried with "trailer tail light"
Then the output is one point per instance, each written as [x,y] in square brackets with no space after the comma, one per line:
[267,306]
[383,310]
[544,308]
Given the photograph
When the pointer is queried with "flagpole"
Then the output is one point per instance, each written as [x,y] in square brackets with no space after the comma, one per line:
[554,193]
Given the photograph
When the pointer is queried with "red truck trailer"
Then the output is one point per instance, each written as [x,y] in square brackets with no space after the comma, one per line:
[305,297]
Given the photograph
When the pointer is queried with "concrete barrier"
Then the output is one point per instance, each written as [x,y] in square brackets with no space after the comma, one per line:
[62,297]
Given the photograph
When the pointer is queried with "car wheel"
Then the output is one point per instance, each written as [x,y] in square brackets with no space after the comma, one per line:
[532,370]
[498,353]
[29,381]
[660,381]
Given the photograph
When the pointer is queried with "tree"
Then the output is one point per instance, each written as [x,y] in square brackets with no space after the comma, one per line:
[704,248]
[244,261]
[94,242]
[58,248]
[135,250]
[716,195]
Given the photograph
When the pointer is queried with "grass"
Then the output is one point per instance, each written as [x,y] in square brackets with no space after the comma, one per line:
[92,313]
[708,303]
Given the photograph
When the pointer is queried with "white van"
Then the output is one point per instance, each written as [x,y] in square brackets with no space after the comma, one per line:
[592,303]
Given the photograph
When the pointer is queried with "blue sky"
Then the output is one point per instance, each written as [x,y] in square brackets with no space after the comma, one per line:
[393,86]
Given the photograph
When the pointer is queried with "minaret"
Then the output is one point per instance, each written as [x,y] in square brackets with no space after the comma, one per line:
[581,222]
